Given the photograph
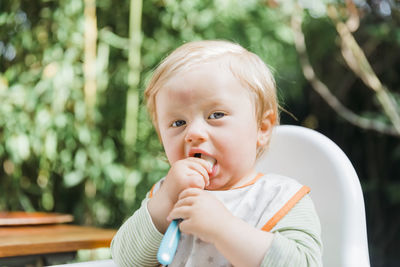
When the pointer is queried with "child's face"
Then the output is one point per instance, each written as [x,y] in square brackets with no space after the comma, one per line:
[207,110]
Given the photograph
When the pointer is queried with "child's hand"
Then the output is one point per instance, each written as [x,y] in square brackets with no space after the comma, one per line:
[205,217]
[203,214]
[187,173]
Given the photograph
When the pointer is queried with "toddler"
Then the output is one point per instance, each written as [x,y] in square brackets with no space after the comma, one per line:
[214,106]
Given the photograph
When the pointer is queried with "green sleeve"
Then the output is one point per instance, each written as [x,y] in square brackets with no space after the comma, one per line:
[136,242]
[297,240]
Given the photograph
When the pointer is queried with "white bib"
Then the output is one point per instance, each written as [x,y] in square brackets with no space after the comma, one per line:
[261,204]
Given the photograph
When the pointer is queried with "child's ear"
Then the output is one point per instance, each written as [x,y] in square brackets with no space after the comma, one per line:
[265,128]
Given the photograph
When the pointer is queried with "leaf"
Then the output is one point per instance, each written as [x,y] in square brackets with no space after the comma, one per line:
[18,146]
[73,178]
[80,160]
[51,145]
[116,173]
[130,184]
[84,135]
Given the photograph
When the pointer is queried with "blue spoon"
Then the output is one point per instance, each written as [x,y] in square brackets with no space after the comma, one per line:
[169,243]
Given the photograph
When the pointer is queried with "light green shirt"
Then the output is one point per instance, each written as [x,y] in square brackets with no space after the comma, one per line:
[297,240]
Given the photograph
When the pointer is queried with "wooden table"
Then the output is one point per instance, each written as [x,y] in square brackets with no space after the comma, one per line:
[44,239]
[38,238]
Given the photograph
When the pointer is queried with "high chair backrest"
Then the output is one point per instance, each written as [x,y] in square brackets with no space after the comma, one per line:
[316,161]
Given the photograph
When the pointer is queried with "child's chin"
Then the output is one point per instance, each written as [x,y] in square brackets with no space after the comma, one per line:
[210,187]
[214,185]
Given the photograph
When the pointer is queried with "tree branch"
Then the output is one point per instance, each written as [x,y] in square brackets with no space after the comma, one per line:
[357,61]
[113,39]
[89,65]
[132,105]
[324,91]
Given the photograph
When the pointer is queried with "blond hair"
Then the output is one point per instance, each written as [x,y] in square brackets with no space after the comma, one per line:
[246,66]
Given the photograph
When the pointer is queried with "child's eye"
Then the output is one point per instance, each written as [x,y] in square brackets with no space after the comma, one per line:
[178,123]
[216,115]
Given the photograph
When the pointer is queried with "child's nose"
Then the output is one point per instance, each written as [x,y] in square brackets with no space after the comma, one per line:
[196,133]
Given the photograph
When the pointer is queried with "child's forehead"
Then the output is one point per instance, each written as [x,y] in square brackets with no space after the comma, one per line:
[210,85]
[210,69]
[208,74]
[206,84]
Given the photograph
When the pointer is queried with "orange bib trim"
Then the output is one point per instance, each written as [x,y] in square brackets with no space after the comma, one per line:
[286,208]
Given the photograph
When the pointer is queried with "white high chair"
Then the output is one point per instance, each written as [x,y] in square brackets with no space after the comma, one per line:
[314,160]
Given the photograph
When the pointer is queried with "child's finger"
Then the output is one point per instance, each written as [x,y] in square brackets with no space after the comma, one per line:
[206,165]
[190,192]
[183,206]
[187,201]
[199,166]
[206,169]
[179,213]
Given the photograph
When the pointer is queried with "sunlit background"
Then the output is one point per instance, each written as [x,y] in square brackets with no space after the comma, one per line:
[74,134]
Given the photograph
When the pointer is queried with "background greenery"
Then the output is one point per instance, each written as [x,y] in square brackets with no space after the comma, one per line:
[60,152]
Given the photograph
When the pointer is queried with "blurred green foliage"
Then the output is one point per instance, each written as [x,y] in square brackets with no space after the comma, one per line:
[53,159]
